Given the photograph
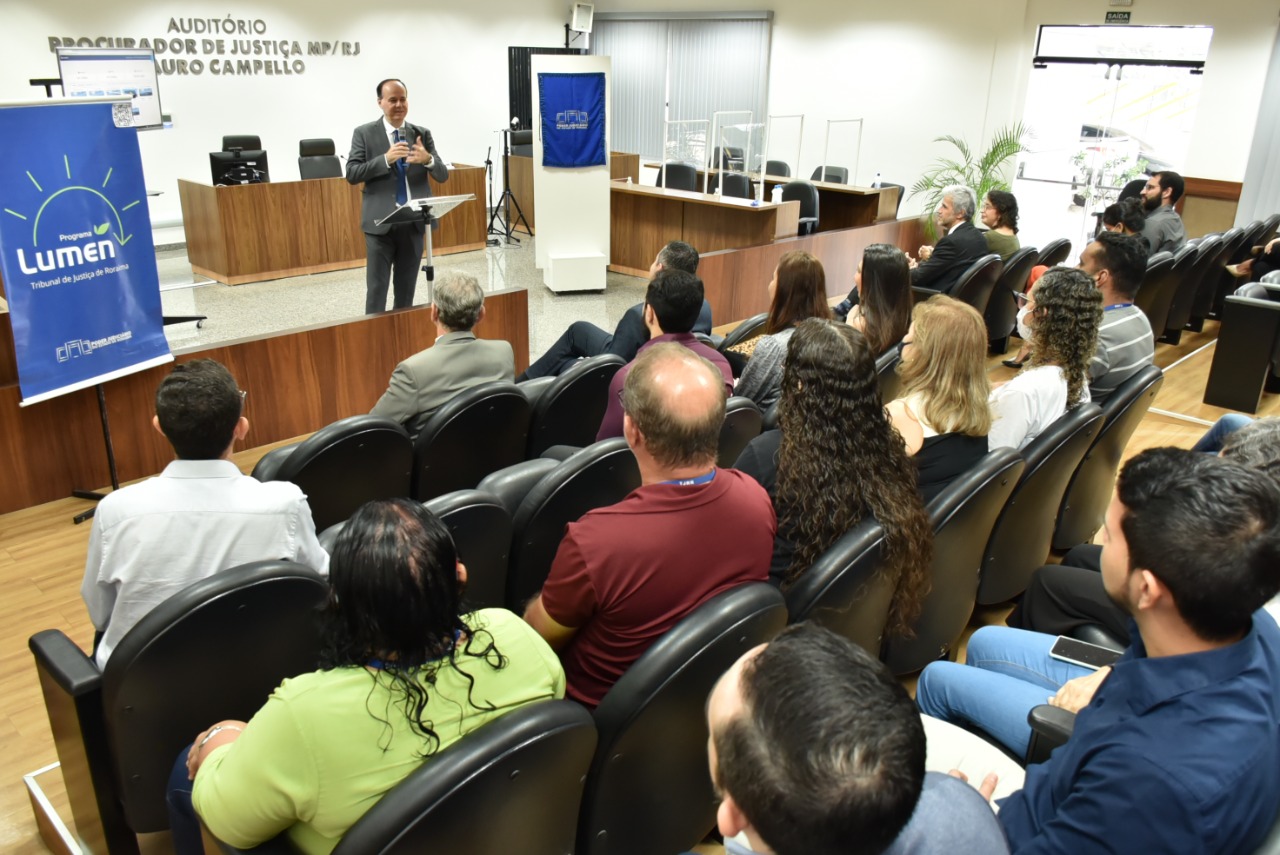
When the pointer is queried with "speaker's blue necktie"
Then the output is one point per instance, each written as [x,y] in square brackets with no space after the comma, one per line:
[402,190]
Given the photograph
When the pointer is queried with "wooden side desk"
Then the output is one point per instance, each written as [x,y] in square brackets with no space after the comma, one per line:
[645,219]
[621,165]
[256,232]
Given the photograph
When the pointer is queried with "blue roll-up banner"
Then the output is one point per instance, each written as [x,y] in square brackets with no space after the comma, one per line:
[76,254]
[573,117]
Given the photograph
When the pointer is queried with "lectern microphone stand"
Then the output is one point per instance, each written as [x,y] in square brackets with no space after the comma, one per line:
[425,210]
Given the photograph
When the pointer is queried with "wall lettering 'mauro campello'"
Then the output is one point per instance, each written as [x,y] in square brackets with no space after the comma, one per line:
[221,57]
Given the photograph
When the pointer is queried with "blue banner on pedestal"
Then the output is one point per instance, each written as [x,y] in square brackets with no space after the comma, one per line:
[572,107]
[76,254]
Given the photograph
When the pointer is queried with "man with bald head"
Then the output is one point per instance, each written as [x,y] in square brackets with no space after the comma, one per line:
[627,573]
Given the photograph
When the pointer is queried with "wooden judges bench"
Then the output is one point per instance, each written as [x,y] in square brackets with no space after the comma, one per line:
[255,232]
[298,381]
[621,167]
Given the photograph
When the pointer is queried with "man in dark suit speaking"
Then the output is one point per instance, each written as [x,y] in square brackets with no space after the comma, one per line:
[941,267]
[392,158]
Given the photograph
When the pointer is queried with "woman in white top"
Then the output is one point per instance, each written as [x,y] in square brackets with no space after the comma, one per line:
[1065,311]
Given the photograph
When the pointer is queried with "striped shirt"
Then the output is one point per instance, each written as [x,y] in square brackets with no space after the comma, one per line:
[1125,344]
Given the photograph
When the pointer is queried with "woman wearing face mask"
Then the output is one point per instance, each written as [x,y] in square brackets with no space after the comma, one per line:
[1024,331]
[943,414]
[1065,311]
[879,306]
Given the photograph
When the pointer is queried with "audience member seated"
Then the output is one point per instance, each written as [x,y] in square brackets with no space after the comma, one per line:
[816,748]
[941,266]
[1175,748]
[403,675]
[670,309]
[943,415]
[837,460]
[1064,597]
[457,361]
[1266,260]
[1065,311]
[798,290]
[1126,218]
[1000,215]
[1024,331]
[1126,344]
[879,306]
[583,339]
[1163,230]
[627,573]
[197,517]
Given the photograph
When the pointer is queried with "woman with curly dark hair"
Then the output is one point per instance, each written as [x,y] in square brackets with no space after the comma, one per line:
[797,291]
[835,460]
[404,674]
[879,306]
[1000,215]
[1064,312]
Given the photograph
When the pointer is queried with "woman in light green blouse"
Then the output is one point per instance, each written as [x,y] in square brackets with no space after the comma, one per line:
[1000,216]
[403,675]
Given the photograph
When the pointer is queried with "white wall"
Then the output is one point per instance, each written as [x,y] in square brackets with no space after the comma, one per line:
[915,71]
[453,56]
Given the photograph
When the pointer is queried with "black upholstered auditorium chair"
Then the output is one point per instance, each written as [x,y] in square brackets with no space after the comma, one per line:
[962,517]
[780,168]
[649,789]
[1190,264]
[974,285]
[567,410]
[807,195]
[1218,249]
[481,527]
[742,423]
[511,484]
[736,184]
[679,176]
[1054,253]
[343,465]
[1246,360]
[1085,503]
[887,374]
[513,785]
[748,329]
[480,430]
[244,142]
[316,159]
[1020,540]
[1002,307]
[599,475]
[213,651]
[832,175]
[1251,236]
[1155,294]
[844,589]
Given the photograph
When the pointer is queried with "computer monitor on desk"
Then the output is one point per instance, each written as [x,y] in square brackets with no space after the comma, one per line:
[238,167]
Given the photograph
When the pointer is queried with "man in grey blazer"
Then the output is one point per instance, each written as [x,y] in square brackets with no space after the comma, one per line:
[457,361]
[392,158]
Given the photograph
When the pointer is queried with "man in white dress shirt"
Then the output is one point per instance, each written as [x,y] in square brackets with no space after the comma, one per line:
[197,517]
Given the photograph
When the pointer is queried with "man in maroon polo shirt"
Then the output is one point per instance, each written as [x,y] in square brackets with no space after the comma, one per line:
[671,307]
[626,574]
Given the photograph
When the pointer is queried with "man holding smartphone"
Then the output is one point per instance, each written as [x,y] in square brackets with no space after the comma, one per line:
[1175,748]
[392,159]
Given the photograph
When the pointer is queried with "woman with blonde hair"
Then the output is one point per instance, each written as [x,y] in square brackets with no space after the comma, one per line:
[797,291]
[943,414]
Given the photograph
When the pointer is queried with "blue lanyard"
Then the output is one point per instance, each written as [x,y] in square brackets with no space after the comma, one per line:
[689,482]
[1117,306]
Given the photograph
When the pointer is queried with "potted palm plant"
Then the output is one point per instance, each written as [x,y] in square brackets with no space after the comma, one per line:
[982,174]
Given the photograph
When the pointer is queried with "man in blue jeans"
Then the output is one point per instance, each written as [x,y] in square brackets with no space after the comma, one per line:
[1175,748]
[584,339]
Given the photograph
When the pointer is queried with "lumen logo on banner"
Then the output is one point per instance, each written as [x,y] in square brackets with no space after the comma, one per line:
[76,254]
[572,110]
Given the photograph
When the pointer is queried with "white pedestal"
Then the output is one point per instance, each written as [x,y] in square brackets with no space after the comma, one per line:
[576,272]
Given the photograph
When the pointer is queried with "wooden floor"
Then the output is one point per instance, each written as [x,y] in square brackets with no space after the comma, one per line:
[42,563]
